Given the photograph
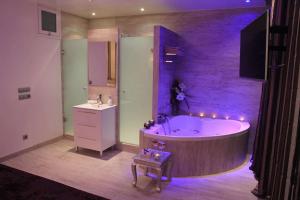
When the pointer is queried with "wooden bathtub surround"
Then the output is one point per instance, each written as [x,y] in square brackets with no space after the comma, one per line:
[204,157]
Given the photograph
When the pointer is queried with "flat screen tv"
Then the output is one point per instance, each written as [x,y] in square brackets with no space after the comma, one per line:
[254,48]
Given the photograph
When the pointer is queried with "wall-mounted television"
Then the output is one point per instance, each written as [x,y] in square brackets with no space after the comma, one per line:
[254,48]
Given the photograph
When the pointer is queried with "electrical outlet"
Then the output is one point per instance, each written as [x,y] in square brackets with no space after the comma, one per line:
[25,137]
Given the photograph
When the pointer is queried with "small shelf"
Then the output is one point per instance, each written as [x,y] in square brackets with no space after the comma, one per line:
[173,51]
[171,54]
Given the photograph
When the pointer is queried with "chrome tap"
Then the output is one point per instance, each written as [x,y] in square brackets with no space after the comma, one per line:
[99,99]
[161,118]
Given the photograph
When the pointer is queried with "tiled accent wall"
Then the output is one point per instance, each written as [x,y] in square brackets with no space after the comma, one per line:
[210,65]
[210,68]
[73,27]
[166,71]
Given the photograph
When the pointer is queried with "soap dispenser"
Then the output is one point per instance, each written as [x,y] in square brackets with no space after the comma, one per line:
[109,101]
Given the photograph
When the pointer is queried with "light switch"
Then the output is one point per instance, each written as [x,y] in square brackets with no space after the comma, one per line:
[23,89]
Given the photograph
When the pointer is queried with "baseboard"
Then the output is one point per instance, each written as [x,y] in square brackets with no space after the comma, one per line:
[132,148]
[69,137]
[120,146]
[10,156]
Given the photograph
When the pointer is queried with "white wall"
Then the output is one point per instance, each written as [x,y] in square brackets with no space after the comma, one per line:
[27,59]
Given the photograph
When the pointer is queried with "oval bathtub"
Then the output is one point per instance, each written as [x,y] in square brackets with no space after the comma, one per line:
[200,146]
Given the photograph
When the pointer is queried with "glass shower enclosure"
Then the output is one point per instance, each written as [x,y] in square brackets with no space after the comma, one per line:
[135,86]
[75,78]
[135,83]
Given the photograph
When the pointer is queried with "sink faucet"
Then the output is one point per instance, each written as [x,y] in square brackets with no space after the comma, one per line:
[99,99]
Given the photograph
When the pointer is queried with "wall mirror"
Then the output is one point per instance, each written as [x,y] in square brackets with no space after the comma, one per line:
[102,63]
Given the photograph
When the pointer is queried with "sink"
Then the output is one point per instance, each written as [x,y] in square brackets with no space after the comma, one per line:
[94,106]
[92,102]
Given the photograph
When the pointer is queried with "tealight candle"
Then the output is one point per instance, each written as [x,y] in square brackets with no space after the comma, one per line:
[156,156]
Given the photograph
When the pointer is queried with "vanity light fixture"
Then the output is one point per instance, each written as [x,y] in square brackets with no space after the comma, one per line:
[142,9]
[214,116]
[93,14]
[201,114]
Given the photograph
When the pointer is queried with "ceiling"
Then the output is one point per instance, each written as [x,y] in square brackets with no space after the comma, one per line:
[113,8]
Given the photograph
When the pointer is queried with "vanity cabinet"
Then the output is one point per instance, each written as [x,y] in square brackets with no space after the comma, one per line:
[94,127]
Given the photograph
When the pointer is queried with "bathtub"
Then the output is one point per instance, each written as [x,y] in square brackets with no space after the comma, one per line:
[200,146]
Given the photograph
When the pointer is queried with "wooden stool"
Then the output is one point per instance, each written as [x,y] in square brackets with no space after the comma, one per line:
[159,165]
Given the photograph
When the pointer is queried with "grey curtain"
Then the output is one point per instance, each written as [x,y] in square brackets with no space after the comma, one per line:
[275,156]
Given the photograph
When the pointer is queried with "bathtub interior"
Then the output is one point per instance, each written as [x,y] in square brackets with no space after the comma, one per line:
[196,126]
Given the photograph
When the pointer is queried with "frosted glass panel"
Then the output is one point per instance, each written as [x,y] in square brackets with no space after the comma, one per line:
[136,74]
[75,78]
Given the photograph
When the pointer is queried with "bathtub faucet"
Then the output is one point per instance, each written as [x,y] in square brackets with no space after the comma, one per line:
[162,118]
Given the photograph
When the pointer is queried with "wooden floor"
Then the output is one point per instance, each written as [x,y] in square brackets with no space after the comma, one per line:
[111,177]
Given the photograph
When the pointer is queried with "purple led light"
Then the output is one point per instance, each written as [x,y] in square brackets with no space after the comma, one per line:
[202,114]
[247,1]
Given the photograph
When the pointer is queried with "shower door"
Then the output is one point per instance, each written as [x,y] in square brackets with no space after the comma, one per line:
[75,78]
[136,78]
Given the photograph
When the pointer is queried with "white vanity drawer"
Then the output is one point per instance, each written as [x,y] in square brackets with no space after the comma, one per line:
[86,143]
[85,117]
[88,132]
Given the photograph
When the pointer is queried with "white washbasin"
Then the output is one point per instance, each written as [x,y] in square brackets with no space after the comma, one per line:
[94,106]
[92,102]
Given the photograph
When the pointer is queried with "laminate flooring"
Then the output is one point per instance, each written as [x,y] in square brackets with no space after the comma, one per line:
[110,176]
